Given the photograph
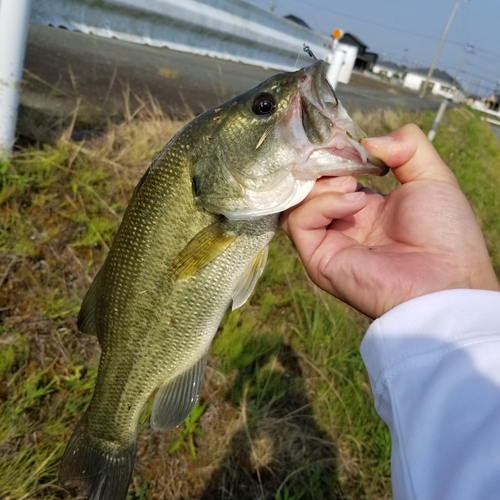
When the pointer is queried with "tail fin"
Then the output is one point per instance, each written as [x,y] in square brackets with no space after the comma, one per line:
[103,471]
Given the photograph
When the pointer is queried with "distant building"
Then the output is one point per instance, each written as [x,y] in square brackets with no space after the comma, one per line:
[297,20]
[489,105]
[493,102]
[365,60]
[440,83]
[369,59]
[389,70]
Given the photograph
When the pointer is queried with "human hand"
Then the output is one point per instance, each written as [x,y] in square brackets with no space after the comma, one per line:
[375,252]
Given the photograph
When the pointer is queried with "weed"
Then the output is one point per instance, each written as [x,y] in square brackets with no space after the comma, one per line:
[190,429]
[168,73]
[285,495]
[141,489]
[469,147]
[287,410]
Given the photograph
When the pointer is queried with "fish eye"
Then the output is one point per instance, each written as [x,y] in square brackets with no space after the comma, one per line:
[264,104]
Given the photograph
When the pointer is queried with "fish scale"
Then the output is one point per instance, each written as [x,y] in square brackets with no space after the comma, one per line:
[194,239]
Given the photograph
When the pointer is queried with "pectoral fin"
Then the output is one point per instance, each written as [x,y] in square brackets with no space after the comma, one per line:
[248,280]
[176,398]
[203,248]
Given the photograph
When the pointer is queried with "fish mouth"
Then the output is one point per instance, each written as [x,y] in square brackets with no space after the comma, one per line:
[328,127]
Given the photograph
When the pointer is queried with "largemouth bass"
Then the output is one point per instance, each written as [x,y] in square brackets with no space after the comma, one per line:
[194,240]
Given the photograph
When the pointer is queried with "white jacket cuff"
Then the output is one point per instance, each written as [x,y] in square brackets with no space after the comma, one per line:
[434,367]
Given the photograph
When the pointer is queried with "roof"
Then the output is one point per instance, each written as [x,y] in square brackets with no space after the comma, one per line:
[390,65]
[350,39]
[297,20]
[437,75]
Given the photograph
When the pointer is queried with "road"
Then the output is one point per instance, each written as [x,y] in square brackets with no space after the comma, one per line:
[62,66]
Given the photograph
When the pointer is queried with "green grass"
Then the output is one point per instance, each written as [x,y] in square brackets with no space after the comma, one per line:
[469,147]
[37,404]
[286,409]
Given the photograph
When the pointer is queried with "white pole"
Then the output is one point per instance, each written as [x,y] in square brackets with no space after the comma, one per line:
[14,23]
[333,72]
[437,120]
[438,51]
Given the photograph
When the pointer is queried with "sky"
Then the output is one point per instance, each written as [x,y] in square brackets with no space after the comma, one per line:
[409,31]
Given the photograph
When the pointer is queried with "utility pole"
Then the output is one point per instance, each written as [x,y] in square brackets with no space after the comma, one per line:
[440,47]
[468,51]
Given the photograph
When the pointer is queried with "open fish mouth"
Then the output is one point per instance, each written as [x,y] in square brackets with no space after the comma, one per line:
[319,104]
[329,129]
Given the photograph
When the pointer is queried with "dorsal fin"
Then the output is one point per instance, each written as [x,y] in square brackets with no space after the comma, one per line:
[176,398]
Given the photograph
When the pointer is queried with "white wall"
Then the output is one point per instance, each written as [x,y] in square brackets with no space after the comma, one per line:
[481,106]
[351,53]
[447,91]
[412,81]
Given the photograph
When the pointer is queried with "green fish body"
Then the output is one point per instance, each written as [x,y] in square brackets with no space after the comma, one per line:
[194,240]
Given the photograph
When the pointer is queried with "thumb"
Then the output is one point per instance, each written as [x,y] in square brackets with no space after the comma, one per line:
[410,155]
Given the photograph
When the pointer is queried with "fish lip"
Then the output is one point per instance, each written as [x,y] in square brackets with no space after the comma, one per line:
[321,85]
[315,87]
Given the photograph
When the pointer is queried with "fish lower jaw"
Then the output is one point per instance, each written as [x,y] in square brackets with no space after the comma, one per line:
[345,152]
[340,155]
[263,203]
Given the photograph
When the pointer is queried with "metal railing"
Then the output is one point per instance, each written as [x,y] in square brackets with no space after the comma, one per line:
[227,29]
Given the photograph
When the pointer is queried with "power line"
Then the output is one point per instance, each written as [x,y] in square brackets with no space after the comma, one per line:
[495,57]
[374,23]
[480,52]
[459,43]
[475,75]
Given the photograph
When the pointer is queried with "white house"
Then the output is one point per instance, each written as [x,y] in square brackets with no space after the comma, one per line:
[389,69]
[440,83]
[489,105]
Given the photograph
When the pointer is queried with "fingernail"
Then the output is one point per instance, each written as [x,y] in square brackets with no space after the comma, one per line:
[338,181]
[382,138]
[353,196]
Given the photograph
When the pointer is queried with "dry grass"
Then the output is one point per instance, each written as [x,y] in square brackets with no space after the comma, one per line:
[61,203]
[288,410]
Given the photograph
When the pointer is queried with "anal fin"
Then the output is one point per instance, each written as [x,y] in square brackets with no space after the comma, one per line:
[176,398]
[249,279]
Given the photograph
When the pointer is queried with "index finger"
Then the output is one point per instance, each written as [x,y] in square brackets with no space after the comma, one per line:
[410,155]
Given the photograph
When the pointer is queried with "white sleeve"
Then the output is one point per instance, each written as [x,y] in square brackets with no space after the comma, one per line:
[434,367]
